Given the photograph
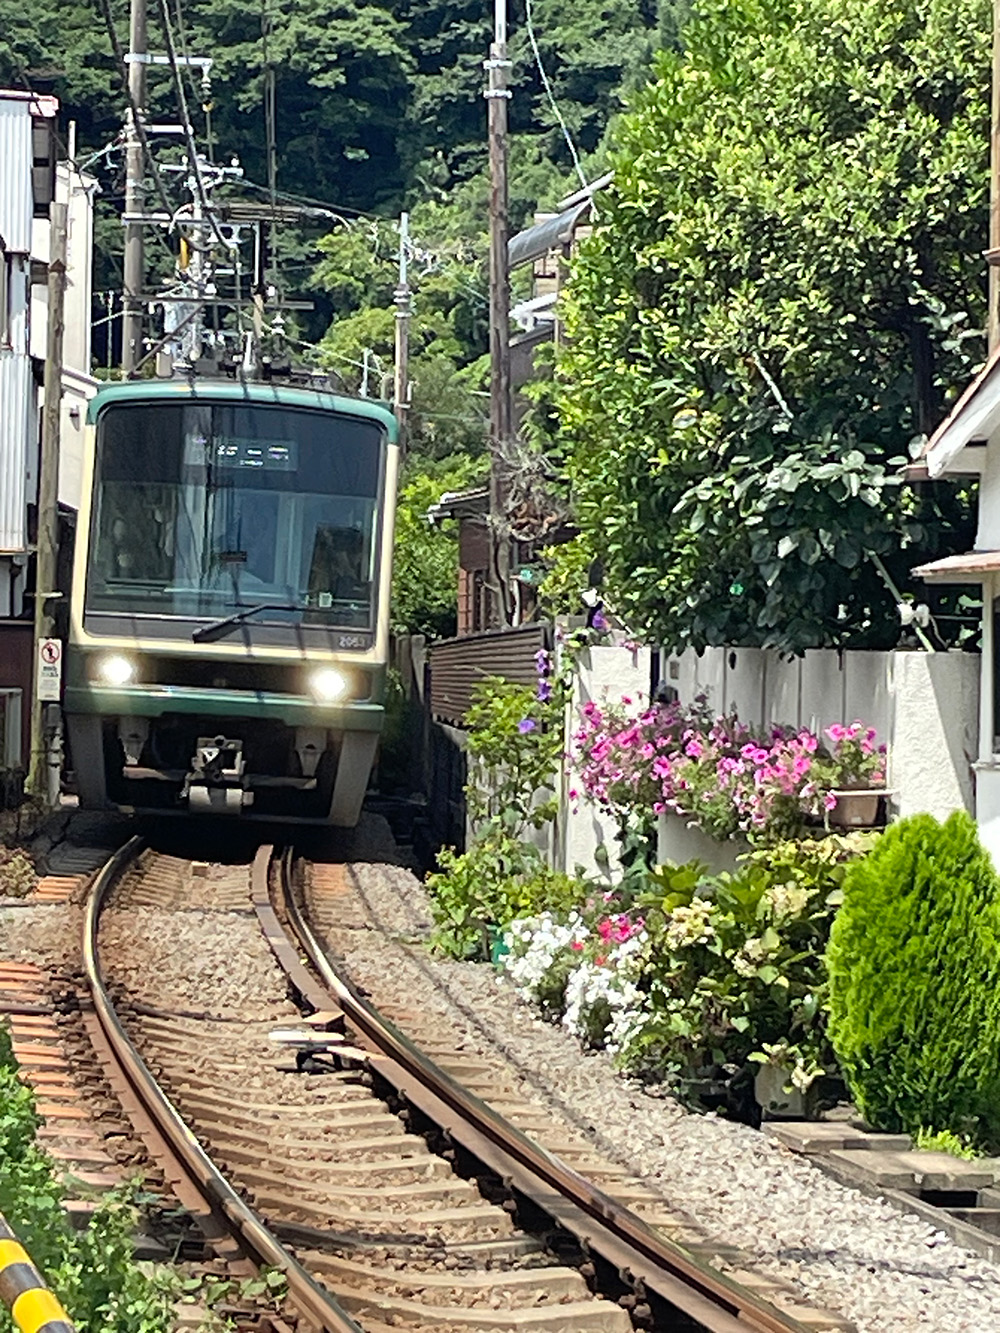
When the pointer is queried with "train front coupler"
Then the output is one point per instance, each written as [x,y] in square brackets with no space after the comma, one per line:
[216,782]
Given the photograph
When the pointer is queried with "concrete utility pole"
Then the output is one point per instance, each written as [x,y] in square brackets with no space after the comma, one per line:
[134,275]
[43,778]
[993,323]
[501,407]
[401,367]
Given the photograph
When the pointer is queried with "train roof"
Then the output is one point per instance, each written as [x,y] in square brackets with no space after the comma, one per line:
[229,391]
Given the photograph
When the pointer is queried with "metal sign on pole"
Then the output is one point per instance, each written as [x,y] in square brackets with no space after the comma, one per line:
[48,671]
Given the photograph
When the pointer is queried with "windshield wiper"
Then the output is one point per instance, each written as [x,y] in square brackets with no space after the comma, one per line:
[208,633]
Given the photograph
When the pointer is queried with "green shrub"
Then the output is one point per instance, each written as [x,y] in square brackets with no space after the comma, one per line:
[914,965]
[734,969]
[17,874]
[477,893]
[943,1140]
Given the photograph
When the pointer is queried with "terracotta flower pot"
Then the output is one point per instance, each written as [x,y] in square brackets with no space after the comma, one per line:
[855,808]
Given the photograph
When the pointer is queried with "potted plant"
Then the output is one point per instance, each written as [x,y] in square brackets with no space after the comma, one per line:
[851,776]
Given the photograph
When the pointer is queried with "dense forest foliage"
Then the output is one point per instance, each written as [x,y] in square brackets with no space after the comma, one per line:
[378,104]
[784,292]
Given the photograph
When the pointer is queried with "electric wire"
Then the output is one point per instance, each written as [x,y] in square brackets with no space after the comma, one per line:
[192,147]
[137,119]
[307,201]
[201,94]
[552,97]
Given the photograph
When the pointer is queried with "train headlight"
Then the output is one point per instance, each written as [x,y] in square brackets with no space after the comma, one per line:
[328,685]
[115,670]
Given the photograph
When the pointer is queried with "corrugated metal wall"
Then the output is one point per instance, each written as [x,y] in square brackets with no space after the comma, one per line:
[16,388]
[16,200]
[456,665]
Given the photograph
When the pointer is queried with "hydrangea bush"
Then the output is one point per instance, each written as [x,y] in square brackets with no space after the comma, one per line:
[704,975]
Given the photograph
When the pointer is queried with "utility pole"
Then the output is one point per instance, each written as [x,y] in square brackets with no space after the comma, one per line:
[43,778]
[401,365]
[501,413]
[134,275]
[993,254]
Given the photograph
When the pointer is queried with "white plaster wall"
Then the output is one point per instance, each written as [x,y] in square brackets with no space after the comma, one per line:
[935,703]
[604,674]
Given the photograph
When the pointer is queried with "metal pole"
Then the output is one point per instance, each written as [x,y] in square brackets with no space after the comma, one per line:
[259,295]
[401,368]
[43,737]
[501,414]
[134,274]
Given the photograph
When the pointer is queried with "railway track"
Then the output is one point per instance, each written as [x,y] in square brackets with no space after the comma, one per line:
[315,1173]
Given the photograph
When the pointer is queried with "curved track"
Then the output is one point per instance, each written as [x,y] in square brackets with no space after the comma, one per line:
[349,1197]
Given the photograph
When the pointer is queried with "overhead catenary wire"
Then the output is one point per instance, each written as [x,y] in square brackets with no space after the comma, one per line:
[271,142]
[552,97]
[192,148]
[203,93]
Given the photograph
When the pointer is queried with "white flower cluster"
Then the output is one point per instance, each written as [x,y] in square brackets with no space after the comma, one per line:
[690,925]
[534,943]
[786,900]
[750,957]
[596,994]
[602,999]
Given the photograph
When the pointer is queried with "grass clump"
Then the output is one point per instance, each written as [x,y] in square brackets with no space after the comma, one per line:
[942,1140]
[914,967]
[91,1271]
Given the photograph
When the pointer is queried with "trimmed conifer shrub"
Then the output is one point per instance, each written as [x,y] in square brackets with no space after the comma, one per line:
[914,966]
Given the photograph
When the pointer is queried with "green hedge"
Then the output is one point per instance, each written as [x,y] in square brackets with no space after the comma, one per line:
[914,964]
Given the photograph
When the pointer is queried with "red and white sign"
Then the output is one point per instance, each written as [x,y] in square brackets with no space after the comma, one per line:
[48,674]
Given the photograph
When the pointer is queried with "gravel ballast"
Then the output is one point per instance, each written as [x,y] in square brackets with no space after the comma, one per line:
[861,1257]
[887,1271]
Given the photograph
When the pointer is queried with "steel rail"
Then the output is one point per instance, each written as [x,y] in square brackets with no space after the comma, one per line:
[603,1225]
[190,1171]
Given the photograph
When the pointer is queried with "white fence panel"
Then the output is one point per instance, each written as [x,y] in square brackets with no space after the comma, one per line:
[783,696]
[745,673]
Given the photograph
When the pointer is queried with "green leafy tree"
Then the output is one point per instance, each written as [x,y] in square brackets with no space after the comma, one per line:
[425,563]
[783,292]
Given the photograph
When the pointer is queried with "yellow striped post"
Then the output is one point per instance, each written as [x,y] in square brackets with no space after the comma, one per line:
[23,1290]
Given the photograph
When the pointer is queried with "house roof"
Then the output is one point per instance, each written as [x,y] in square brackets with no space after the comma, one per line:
[972,567]
[973,419]
[460,504]
[551,234]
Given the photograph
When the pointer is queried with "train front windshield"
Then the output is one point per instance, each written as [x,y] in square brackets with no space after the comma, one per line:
[205,508]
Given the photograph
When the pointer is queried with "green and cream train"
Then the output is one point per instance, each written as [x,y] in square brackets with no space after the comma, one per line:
[229,621]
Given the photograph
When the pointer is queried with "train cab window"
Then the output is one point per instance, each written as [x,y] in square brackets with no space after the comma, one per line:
[203,508]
